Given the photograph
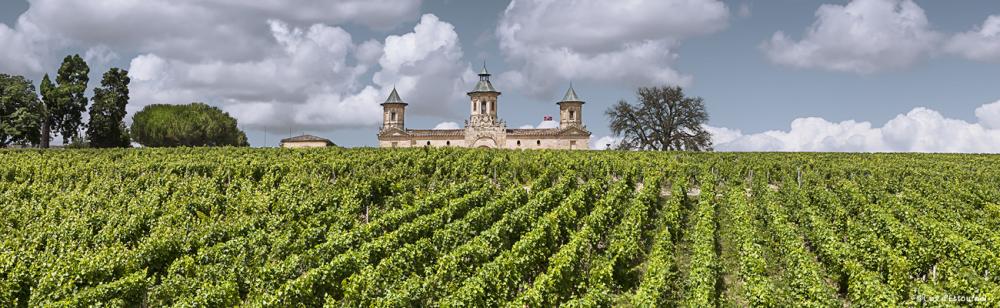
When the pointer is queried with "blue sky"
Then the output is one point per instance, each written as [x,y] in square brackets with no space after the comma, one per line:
[793,75]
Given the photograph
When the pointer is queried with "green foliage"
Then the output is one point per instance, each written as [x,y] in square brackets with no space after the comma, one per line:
[107,128]
[66,101]
[194,124]
[20,111]
[466,227]
[48,92]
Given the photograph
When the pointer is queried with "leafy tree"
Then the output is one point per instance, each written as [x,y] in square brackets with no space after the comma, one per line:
[106,128]
[49,96]
[665,120]
[20,111]
[195,124]
[68,100]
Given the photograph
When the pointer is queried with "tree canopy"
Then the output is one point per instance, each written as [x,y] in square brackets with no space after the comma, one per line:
[65,101]
[195,124]
[664,120]
[106,128]
[20,111]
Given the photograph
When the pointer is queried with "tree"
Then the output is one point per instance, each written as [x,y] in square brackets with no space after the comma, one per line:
[20,111]
[665,120]
[195,124]
[106,128]
[66,102]
[48,91]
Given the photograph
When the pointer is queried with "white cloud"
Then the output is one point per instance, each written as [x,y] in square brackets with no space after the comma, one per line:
[989,115]
[99,56]
[24,49]
[447,125]
[426,67]
[547,124]
[195,29]
[542,124]
[980,44]
[312,79]
[864,36]
[920,130]
[550,42]
[604,143]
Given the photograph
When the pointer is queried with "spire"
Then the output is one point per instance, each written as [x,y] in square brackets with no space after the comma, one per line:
[571,95]
[484,72]
[484,84]
[393,98]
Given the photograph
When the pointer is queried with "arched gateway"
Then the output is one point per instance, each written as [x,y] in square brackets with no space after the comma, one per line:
[484,129]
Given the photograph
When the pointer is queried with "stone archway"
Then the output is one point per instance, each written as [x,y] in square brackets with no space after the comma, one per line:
[485,142]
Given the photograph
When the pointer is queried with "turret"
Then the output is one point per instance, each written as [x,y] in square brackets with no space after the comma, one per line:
[393,111]
[570,109]
[483,100]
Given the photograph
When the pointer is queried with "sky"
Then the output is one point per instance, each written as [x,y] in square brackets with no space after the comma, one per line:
[776,75]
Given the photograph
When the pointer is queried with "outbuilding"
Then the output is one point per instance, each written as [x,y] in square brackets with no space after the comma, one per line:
[306,141]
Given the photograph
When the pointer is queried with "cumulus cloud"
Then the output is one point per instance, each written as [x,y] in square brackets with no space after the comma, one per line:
[604,143]
[542,124]
[426,67]
[269,63]
[24,48]
[864,36]
[920,130]
[189,30]
[550,42]
[313,79]
[447,125]
[980,44]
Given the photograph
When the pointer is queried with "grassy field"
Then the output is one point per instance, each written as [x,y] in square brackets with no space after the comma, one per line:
[457,227]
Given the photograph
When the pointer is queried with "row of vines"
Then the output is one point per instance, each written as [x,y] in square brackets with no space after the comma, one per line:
[488,228]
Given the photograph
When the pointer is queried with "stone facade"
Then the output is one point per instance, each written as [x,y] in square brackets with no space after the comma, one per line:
[484,129]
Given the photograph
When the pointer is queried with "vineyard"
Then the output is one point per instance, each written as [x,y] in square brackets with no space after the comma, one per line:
[486,228]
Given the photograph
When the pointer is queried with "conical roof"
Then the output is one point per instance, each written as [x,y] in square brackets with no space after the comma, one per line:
[484,84]
[394,98]
[571,96]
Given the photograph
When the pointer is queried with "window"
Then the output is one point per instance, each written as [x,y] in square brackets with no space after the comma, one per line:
[482,106]
[572,145]
[448,143]
[393,116]
[428,142]
[519,143]
[539,142]
[572,115]
[493,106]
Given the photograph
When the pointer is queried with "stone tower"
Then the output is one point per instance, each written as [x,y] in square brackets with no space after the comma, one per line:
[483,101]
[570,110]
[393,111]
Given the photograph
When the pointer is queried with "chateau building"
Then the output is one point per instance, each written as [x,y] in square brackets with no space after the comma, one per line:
[484,129]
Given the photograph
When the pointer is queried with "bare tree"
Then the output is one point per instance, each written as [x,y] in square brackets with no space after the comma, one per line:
[664,120]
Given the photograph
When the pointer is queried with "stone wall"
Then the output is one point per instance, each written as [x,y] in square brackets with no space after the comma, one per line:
[532,143]
[303,144]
